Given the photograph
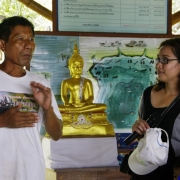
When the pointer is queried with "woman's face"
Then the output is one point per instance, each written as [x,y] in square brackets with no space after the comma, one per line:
[168,72]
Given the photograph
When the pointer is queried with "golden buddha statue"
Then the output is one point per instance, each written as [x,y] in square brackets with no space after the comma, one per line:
[80,115]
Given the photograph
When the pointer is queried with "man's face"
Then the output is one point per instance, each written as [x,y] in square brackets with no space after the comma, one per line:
[20,46]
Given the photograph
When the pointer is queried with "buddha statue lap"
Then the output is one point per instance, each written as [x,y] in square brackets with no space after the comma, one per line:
[81,117]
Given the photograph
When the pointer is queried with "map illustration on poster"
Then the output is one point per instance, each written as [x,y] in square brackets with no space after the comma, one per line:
[120,69]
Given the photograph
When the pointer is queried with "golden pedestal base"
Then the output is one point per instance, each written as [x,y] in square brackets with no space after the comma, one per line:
[86,124]
[92,131]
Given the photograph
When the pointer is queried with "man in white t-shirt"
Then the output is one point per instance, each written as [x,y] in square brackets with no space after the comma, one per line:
[26,102]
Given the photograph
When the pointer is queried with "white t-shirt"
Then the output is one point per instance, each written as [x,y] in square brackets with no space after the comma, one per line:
[21,155]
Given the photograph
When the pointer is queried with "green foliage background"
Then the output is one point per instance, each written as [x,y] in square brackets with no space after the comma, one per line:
[14,7]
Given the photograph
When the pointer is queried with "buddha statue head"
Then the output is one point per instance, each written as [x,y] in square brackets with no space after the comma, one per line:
[75,63]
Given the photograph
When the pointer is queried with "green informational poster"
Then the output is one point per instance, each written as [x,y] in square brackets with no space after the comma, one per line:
[119,68]
[115,16]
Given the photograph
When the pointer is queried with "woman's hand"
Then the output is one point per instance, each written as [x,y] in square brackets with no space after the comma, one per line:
[140,126]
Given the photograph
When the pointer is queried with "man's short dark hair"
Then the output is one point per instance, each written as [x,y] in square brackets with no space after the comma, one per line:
[9,23]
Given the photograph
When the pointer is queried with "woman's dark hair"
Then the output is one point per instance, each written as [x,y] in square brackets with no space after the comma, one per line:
[9,23]
[174,43]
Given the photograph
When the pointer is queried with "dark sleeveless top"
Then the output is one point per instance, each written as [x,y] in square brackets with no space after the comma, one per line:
[164,172]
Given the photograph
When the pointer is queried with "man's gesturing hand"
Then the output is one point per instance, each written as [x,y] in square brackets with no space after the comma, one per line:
[42,95]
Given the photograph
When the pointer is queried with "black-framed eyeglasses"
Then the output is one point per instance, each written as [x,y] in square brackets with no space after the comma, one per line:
[163,60]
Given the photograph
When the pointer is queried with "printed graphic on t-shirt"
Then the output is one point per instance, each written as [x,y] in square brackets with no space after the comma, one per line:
[10,99]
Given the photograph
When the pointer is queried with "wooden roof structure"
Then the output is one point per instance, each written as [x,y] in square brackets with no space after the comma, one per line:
[38,8]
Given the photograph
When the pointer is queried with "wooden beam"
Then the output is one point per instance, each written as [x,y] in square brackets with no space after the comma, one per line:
[37,8]
[176,17]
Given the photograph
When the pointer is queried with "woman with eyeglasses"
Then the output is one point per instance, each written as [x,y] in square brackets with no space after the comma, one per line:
[155,99]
